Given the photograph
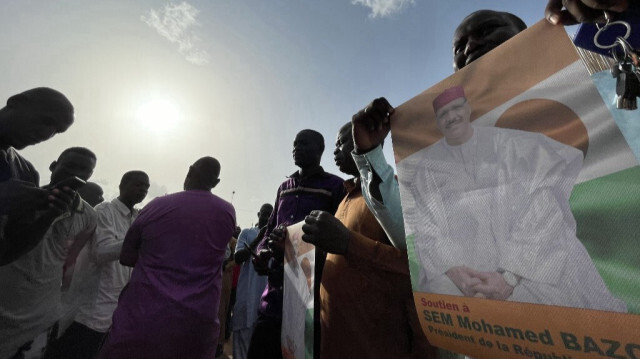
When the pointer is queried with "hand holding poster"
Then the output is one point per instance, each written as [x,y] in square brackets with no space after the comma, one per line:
[491,210]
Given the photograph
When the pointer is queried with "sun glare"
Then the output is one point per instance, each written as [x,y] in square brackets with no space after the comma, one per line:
[158,115]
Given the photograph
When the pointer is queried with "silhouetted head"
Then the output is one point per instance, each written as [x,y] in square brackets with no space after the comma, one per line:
[264,214]
[203,174]
[307,149]
[34,116]
[342,153]
[134,186]
[481,32]
[74,161]
[92,193]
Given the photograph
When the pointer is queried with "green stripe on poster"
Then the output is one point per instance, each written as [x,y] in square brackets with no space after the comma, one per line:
[607,213]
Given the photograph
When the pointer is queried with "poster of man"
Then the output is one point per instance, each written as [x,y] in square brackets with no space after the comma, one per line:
[494,218]
[519,197]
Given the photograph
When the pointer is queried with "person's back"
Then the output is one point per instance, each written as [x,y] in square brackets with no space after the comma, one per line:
[173,257]
[177,245]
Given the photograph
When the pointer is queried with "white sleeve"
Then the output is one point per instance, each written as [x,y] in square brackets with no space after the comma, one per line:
[388,210]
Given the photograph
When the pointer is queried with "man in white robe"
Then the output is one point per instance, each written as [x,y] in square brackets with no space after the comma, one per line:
[489,210]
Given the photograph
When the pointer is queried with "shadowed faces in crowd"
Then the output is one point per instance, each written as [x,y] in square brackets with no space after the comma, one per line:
[92,193]
[34,116]
[203,174]
[264,214]
[481,32]
[307,149]
[74,161]
[342,153]
[134,186]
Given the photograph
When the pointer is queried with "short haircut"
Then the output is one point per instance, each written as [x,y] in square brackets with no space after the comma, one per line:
[83,151]
[131,175]
[346,126]
[267,205]
[47,100]
[317,137]
[92,185]
[207,169]
[516,21]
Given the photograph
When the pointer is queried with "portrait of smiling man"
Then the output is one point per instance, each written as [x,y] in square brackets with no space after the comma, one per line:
[489,211]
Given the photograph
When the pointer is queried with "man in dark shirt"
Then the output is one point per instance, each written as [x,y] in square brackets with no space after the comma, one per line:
[92,193]
[28,118]
[309,188]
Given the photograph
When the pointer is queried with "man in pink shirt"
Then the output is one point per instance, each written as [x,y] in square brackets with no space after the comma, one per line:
[177,244]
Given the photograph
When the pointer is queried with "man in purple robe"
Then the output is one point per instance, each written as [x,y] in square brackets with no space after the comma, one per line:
[177,244]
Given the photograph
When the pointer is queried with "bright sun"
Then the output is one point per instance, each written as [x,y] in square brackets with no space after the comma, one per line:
[158,115]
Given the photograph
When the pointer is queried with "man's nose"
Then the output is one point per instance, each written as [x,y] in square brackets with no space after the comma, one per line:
[472,44]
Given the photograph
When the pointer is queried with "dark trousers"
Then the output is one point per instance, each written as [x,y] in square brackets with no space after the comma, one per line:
[265,341]
[78,342]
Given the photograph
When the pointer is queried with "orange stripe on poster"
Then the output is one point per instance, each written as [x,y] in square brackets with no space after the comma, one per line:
[522,330]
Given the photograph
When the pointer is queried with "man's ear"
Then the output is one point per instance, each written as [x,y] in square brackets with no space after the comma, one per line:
[215,182]
[53,165]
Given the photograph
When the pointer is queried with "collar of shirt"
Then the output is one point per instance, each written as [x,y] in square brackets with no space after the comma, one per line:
[319,171]
[122,208]
[352,184]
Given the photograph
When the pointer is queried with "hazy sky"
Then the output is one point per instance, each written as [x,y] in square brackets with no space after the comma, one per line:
[158,84]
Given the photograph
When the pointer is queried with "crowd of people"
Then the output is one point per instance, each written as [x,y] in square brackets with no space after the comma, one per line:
[84,278]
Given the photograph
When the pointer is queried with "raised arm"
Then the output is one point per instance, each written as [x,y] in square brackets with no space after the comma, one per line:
[371,126]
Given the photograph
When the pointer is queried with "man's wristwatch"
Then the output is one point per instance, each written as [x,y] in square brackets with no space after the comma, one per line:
[509,277]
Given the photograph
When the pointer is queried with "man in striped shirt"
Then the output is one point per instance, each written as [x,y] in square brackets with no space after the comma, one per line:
[309,188]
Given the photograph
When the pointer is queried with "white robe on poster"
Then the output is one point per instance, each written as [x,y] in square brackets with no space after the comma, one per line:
[501,201]
[297,300]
